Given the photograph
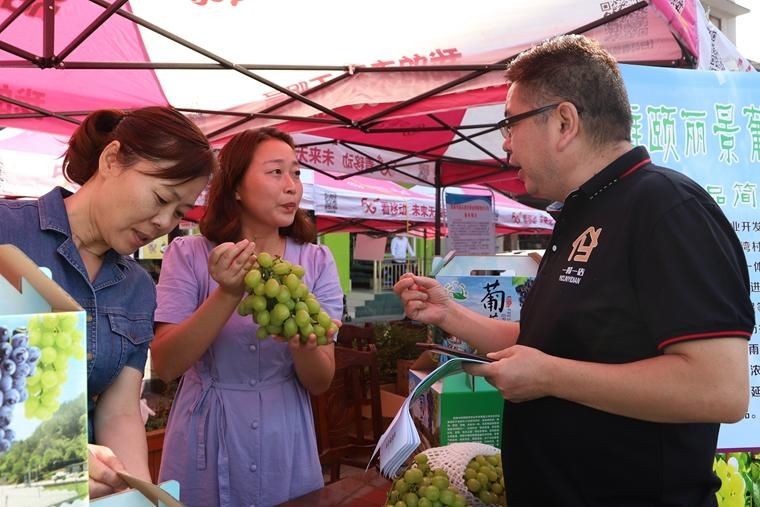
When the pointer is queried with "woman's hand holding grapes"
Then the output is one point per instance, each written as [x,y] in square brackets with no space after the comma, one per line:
[228,264]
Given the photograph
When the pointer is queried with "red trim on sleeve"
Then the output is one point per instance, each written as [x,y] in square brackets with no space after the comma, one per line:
[636,167]
[697,336]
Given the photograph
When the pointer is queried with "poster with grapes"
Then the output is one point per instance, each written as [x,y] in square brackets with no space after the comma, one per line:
[43,384]
[491,285]
[707,125]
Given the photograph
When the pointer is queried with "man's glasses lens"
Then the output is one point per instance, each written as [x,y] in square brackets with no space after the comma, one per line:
[505,125]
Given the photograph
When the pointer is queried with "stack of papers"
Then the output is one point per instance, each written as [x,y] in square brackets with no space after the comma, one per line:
[401,438]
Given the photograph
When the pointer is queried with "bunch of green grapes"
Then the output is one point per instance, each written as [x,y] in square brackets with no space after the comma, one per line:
[733,487]
[484,478]
[58,339]
[421,486]
[280,302]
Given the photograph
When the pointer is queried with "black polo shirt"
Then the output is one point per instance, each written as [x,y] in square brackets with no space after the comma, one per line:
[641,257]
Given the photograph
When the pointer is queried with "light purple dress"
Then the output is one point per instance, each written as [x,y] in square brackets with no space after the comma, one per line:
[241,431]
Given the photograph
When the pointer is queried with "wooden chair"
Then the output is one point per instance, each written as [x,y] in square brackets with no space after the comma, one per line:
[356,337]
[340,426]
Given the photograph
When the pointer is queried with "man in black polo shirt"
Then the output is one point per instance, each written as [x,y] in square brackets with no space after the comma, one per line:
[632,346]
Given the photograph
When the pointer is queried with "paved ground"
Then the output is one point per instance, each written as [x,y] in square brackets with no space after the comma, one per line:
[35,496]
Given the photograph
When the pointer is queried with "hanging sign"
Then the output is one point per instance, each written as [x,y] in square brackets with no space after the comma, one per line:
[471,223]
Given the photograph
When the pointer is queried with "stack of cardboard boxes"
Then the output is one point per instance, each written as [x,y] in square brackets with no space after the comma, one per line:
[461,408]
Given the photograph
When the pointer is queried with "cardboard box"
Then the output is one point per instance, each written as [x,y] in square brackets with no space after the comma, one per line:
[492,285]
[43,384]
[390,402]
[134,498]
[459,408]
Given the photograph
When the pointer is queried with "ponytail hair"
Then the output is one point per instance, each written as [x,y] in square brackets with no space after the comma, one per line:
[155,134]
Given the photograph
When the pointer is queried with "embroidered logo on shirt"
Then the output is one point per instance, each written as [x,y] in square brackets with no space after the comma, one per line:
[585,244]
[572,275]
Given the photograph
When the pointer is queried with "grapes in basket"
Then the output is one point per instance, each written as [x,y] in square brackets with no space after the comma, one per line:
[424,485]
[281,304]
[421,486]
[484,479]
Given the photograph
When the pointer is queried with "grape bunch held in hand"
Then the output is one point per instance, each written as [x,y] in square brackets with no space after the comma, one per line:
[281,304]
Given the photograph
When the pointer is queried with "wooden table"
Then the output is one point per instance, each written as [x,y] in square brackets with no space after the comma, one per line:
[365,490]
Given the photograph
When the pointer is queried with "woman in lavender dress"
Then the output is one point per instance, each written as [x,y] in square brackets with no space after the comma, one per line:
[241,431]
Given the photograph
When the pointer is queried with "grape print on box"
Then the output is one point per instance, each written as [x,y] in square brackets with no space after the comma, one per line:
[43,385]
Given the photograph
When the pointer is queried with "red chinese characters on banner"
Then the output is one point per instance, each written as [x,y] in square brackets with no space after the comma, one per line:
[201,3]
[27,95]
[393,209]
[326,158]
[35,10]
[422,210]
[520,218]
[300,86]
[437,56]
[378,206]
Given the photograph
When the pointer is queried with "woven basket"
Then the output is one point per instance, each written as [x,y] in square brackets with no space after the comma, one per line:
[454,458]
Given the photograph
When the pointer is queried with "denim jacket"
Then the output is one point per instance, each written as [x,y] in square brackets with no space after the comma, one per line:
[119,303]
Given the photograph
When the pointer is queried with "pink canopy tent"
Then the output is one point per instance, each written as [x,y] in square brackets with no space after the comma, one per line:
[418,92]
[31,163]
[368,204]
[362,204]
[426,98]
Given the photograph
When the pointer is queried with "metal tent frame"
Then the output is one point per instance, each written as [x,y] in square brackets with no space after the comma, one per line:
[469,171]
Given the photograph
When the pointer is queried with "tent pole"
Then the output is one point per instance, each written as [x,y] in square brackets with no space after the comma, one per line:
[437,207]
[424,251]
[218,59]
[48,31]
[97,23]
[16,13]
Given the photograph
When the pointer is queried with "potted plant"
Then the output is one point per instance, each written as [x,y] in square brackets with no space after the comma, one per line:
[159,397]
[396,350]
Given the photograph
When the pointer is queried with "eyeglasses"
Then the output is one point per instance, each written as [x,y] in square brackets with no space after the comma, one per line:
[505,125]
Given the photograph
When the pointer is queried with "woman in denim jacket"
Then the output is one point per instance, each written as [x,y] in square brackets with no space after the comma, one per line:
[139,173]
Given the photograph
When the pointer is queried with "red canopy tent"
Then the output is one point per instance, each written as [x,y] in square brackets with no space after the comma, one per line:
[427,96]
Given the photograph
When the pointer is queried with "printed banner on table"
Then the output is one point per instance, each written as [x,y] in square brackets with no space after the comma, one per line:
[472,224]
[707,125]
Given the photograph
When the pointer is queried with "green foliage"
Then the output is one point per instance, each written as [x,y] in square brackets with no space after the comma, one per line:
[397,340]
[81,488]
[54,444]
[161,404]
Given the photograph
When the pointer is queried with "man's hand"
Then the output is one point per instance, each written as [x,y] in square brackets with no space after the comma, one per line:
[424,298]
[103,465]
[519,372]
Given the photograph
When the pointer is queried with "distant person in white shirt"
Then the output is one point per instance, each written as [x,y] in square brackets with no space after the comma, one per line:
[400,247]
